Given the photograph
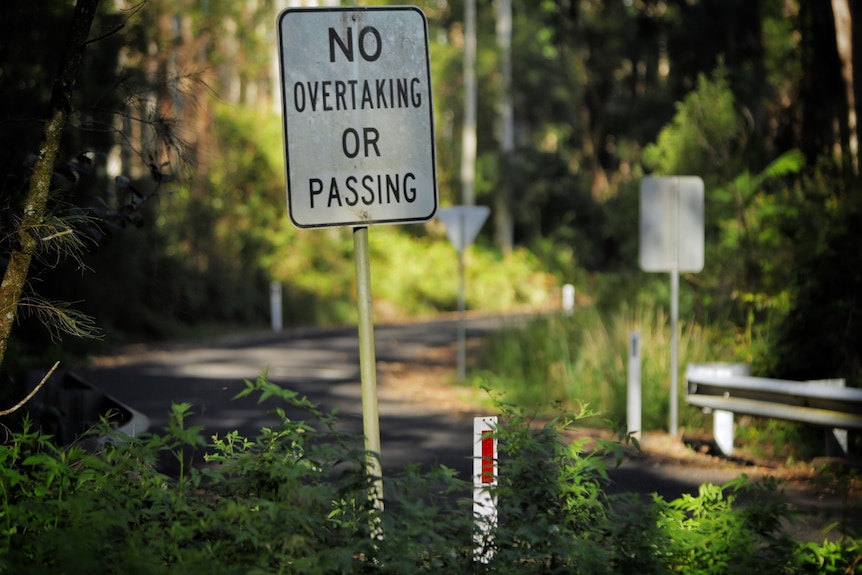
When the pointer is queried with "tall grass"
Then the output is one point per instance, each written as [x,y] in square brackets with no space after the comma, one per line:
[583,358]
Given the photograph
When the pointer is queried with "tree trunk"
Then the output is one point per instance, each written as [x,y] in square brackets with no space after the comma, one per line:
[844,45]
[468,135]
[821,94]
[503,223]
[36,199]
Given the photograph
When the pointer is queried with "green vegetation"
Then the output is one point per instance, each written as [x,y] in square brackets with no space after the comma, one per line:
[170,174]
[583,359]
[294,500]
[748,305]
[169,186]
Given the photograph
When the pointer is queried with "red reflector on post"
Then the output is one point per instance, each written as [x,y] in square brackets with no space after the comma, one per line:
[487,456]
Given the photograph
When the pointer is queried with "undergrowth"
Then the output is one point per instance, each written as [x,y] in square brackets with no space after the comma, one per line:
[583,358]
[294,499]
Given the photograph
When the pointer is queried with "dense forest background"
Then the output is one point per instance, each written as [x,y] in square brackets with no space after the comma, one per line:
[171,171]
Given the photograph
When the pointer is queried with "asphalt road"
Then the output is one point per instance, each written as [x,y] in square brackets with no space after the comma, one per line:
[323,364]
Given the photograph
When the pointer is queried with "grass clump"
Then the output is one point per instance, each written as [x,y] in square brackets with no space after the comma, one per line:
[583,358]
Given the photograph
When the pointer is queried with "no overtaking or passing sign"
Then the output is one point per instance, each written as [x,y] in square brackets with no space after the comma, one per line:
[358,119]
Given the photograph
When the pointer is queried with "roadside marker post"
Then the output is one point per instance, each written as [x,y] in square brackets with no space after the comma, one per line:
[634,406]
[275,312]
[671,240]
[568,299]
[358,124]
[485,479]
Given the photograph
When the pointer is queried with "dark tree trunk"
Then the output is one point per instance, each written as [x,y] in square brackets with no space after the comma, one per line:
[36,200]
[822,90]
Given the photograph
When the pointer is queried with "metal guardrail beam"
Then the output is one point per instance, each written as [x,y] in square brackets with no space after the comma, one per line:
[801,414]
[769,386]
[719,388]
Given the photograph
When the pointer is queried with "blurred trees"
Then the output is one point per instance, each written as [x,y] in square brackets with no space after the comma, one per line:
[753,96]
[38,230]
[178,111]
[170,239]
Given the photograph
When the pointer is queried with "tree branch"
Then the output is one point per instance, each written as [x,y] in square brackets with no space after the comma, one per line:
[30,395]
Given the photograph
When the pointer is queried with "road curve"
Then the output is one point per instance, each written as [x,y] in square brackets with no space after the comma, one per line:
[323,364]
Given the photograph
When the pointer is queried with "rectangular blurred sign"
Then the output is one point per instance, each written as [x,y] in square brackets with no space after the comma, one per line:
[671,224]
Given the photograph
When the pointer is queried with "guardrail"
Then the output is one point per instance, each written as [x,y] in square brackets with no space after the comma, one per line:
[727,389]
[69,406]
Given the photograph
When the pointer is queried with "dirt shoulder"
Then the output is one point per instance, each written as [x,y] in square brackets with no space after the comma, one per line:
[831,488]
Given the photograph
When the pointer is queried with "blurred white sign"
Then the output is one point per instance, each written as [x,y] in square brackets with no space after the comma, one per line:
[463,223]
[671,224]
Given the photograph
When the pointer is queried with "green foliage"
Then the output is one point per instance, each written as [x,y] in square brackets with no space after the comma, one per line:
[550,492]
[294,499]
[820,336]
[746,541]
[705,135]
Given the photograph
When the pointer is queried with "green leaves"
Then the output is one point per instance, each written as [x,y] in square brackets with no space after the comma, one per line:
[294,499]
[705,135]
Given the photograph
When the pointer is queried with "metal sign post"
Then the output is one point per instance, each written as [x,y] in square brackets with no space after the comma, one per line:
[367,363]
[462,225]
[672,238]
[359,143]
[673,423]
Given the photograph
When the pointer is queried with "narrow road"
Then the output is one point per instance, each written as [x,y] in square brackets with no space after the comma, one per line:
[323,365]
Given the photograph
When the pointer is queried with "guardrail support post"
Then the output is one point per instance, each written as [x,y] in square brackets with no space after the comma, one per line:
[836,439]
[722,421]
[722,431]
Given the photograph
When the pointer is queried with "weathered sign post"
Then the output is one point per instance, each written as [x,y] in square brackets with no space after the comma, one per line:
[359,142]
[672,241]
[462,224]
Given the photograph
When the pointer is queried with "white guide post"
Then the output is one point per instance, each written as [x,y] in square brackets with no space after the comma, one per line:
[484,480]
[275,305]
[634,408]
[568,299]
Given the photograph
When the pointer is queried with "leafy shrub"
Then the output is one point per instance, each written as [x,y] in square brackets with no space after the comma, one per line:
[295,500]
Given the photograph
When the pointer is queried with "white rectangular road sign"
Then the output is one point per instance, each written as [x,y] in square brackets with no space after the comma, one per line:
[672,224]
[358,117]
